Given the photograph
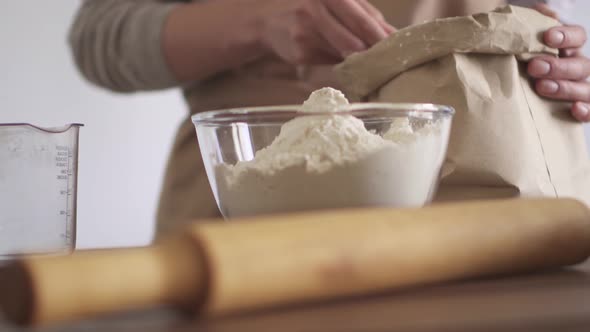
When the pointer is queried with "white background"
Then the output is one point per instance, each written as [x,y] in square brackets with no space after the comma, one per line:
[125,142]
[124,145]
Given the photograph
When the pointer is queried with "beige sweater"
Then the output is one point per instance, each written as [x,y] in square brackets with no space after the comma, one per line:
[116,44]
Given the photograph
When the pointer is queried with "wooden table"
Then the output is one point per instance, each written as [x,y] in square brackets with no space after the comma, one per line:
[552,301]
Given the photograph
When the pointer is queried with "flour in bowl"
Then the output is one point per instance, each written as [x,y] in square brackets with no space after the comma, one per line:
[330,160]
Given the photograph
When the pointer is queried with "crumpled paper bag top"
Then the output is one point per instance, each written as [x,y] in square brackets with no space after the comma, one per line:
[507,30]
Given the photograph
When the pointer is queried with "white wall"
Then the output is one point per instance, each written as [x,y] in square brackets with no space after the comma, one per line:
[126,139]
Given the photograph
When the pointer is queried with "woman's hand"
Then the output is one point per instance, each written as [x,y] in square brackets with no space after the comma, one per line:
[320,31]
[566,77]
[201,39]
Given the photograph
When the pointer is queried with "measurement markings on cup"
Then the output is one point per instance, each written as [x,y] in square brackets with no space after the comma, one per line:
[63,162]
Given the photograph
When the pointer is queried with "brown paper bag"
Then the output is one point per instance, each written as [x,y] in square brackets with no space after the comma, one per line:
[506,140]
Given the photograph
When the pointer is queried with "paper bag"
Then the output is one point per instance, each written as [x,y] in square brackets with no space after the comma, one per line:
[506,140]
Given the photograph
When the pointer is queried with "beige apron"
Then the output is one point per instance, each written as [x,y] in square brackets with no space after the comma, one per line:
[186,194]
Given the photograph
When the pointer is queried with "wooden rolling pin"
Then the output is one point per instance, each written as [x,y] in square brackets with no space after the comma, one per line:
[218,268]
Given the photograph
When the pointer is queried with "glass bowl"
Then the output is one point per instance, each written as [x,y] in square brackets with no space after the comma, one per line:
[364,155]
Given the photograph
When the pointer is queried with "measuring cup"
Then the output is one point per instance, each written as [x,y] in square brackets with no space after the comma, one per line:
[38,180]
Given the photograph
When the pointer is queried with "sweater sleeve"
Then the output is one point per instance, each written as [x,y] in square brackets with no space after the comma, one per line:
[116,44]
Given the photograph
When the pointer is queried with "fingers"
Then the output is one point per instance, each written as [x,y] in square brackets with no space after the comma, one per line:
[371,10]
[348,26]
[568,91]
[389,29]
[575,69]
[357,20]
[581,111]
[564,90]
[376,13]
[566,37]
[571,52]
[336,34]
[569,39]
[565,78]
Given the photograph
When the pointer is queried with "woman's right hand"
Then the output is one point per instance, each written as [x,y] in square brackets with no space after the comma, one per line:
[201,39]
[306,32]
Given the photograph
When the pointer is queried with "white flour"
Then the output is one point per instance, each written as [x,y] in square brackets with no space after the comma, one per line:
[333,161]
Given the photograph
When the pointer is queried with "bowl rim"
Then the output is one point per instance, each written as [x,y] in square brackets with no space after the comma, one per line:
[237,114]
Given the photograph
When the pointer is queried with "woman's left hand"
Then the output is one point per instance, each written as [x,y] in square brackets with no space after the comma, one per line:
[566,77]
